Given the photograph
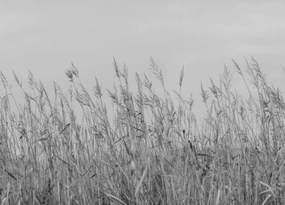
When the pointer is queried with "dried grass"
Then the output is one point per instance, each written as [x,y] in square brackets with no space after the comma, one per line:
[152,152]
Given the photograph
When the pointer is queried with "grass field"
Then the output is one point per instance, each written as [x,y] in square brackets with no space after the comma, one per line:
[151,152]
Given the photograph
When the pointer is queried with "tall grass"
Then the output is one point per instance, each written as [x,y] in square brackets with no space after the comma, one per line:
[151,152]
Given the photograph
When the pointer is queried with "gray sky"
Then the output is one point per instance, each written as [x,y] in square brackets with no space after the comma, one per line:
[46,36]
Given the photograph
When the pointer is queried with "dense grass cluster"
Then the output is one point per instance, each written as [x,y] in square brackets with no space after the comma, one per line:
[151,152]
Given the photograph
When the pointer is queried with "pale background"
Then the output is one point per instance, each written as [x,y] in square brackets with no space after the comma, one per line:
[46,36]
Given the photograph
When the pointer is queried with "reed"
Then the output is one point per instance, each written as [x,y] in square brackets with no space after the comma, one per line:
[151,152]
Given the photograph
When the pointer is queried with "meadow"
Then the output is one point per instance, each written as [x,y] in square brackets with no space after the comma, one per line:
[152,151]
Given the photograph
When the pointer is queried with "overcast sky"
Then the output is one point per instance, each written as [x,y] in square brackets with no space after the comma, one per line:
[46,36]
